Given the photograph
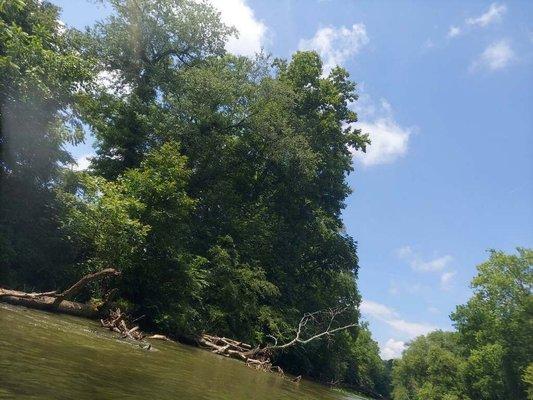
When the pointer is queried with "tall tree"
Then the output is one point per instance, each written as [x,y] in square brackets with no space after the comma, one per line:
[139,48]
[489,357]
[495,326]
[40,74]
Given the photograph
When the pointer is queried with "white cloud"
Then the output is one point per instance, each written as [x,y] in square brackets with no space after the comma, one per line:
[412,329]
[493,14]
[376,309]
[420,265]
[252,32]
[389,316]
[82,162]
[389,140]
[404,252]
[446,279]
[436,264]
[397,287]
[496,56]
[454,31]
[392,349]
[336,45]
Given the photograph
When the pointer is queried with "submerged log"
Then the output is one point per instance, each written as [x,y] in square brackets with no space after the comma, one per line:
[59,302]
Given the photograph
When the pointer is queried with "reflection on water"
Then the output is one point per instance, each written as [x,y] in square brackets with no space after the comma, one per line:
[49,356]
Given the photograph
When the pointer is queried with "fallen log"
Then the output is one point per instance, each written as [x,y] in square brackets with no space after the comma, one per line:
[59,302]
[312,326]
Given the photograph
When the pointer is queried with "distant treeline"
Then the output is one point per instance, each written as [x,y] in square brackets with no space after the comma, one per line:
[490,356]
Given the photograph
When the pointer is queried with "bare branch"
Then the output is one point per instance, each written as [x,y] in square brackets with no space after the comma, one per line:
[78,286]
[333,314]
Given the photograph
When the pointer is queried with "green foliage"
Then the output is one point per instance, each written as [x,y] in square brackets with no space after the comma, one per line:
[496,324]
[218,185]
[430,369]
[489,355]
[366,370]
[40,72]
[140,49]
[97,221]
[527,377]
[236,293]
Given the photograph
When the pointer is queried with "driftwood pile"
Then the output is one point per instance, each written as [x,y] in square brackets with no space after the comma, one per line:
[116,322]
[312,326]
[257,357]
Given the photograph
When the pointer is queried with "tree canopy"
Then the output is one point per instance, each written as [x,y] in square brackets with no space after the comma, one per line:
[216,189]
[490,356]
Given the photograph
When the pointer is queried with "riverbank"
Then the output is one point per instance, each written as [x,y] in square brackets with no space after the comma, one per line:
[52,356]
[258,357]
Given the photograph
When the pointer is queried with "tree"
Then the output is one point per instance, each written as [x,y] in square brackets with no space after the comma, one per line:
[217,188]
[366,370]
[496,323]
[40,76]
[489,355]
[430,369]
[139,49]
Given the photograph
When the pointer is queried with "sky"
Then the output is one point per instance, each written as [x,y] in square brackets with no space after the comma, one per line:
[446,94]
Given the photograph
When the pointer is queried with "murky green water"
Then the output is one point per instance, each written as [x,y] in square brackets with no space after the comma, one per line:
[48,356]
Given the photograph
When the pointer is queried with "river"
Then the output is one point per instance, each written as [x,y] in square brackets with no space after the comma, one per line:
[51,356]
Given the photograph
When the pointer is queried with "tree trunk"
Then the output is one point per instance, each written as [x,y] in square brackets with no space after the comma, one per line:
[48,303]
[58,302]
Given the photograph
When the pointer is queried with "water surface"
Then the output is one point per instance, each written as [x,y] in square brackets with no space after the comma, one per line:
[50,356]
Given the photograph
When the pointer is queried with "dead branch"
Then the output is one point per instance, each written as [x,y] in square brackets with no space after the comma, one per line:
[80,285]
[58,302]
[116,322]
[330,315]
[320,323]
[33,295]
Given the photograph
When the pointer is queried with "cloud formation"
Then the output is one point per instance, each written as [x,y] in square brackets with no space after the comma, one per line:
[392,349]
[252,32]
[454,31]
[83,162]
[420,265]
[435,265]
[389,316]
[446,279]
[496,56]
[493,14]
[390,141]
[336,45]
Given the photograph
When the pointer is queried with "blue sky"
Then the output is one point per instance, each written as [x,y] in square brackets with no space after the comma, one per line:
[446,93]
